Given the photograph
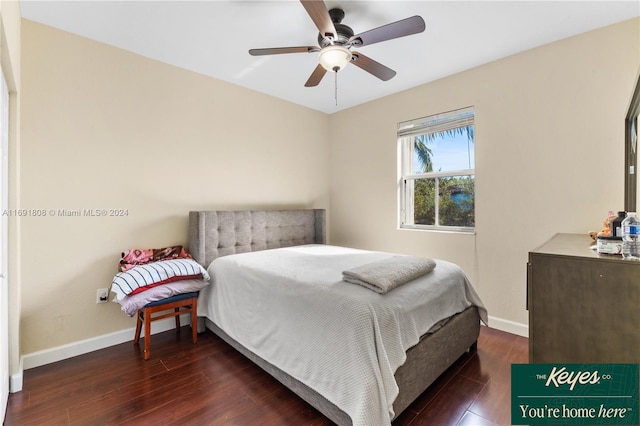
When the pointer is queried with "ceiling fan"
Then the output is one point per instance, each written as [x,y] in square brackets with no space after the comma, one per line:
[336,41]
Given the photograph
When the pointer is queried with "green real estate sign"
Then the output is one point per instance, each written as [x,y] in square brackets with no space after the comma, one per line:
[574,394]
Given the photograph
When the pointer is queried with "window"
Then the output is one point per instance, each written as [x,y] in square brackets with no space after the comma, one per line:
[437,172]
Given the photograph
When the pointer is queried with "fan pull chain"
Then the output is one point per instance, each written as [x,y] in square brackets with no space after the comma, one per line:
[336,69]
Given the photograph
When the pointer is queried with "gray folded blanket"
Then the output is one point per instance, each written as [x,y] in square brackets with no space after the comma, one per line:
[385,275]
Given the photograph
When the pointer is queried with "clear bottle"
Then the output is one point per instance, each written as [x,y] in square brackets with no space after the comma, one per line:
[631,237]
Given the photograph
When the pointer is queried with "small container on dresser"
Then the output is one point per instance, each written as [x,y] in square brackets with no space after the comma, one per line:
[583,307]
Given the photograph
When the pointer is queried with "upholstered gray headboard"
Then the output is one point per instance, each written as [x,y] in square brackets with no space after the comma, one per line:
[218,233]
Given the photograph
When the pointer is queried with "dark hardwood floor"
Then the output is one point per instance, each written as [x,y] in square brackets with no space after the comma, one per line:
[211,384]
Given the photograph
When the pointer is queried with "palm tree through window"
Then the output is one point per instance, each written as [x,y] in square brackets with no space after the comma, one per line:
[437,171]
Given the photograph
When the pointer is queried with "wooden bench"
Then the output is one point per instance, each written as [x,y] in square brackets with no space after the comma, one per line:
[179,304]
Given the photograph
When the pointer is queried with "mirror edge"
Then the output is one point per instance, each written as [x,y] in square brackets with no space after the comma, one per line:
[631,150]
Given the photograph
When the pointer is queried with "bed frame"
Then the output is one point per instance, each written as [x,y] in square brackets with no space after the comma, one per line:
[218,233]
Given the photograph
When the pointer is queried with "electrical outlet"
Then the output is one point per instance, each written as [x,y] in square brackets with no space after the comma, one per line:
[102,296]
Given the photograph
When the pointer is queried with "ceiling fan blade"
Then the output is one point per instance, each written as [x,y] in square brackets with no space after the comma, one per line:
[404,27]
[316,76]
[320,16]
[280,50]
[375,68]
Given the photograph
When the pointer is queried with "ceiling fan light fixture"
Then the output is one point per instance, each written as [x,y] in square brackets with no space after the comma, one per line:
[334,58]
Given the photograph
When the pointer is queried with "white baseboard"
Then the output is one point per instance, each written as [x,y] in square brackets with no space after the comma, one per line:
[48,356]
[509,326]
[15,382]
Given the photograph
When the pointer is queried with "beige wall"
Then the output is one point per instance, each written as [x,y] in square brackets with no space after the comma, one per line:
[549,158]
[103,128]
[10,60]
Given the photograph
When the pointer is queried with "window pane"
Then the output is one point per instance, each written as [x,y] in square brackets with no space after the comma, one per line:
[444,151]
[436,164]
[457,201]
[424,208]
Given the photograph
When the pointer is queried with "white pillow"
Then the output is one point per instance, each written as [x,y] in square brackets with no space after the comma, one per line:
[142,277]
[131,304]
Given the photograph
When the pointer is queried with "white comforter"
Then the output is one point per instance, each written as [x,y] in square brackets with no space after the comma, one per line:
[290,307]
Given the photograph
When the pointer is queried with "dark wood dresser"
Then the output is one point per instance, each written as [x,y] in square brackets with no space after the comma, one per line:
[583,307]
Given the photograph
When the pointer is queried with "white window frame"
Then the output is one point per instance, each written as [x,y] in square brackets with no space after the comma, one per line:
[406,132]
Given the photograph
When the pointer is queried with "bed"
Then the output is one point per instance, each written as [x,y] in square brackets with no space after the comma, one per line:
[298,235]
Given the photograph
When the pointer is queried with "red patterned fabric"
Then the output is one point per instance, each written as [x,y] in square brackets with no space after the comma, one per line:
[135,257]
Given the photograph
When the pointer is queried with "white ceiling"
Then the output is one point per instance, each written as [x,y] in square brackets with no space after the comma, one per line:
[213,38]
